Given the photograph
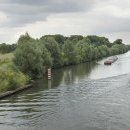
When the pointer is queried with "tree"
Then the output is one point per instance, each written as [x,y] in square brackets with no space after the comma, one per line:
[75,38]
[6,48]
[84,50]
[118,41]
[54,49]
[24,38]
[32,58]
[98,41]
[96,53]
[58,38]
[69,53]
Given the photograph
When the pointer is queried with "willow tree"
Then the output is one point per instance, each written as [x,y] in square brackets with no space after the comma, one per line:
[55,51]
[70,55]
[32,58]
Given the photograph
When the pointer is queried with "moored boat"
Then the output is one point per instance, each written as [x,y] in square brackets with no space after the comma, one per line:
[111,60]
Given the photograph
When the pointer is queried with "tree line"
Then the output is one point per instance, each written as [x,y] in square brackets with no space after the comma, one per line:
[7,48]
[34,56]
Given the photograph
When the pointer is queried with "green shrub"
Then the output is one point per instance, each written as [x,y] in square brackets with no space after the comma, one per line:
[11,79]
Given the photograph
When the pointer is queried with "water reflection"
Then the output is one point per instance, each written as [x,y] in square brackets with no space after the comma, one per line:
[49,84]
[66,76]
[76,73]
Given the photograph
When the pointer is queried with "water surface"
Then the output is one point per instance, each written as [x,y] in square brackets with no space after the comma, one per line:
[88,96]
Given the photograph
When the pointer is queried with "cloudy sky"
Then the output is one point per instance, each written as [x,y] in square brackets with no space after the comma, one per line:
[110,18]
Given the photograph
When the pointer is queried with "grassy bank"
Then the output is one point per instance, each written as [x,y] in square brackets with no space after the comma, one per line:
[10,77]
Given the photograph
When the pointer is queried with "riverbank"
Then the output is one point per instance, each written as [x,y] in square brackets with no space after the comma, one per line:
[18,90]
[14,78]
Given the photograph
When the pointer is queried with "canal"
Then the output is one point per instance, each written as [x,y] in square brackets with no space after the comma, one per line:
[89,96]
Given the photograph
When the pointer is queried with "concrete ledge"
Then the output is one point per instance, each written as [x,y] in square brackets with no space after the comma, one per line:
[9,93]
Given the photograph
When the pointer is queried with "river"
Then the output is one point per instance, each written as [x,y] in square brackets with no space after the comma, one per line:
[89,96]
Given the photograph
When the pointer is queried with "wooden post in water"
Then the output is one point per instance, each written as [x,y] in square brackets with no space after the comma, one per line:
[49,73]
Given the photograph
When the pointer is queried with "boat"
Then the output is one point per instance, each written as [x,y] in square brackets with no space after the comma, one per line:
[111,60]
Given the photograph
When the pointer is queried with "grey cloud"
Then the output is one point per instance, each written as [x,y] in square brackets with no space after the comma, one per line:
[74,16]
[21,12]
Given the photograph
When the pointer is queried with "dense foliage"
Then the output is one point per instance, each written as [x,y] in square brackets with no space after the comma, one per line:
[10,76]
[34,56]
[6,48]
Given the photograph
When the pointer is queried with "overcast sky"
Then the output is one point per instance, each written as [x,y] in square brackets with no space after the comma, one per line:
[110,18]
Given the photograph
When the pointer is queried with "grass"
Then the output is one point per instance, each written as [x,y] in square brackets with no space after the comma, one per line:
[10,76]
[8,56]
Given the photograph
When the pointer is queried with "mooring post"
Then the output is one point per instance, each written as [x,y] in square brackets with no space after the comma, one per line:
[49,73]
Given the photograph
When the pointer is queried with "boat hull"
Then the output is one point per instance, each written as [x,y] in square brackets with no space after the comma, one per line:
[110,61]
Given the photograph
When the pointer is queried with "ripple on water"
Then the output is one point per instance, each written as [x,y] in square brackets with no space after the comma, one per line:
[86,104]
